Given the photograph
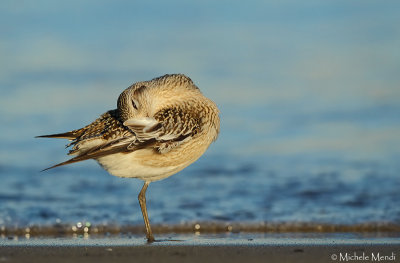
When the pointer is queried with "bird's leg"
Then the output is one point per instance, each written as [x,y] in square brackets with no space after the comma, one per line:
[142,202]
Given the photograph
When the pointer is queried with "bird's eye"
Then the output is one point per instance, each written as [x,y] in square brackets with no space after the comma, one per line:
[134,104]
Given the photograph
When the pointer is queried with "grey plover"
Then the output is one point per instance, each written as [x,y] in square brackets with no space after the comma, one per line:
[159,127]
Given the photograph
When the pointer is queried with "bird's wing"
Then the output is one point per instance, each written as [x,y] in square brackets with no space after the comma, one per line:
[167,130]
[111,147]
[107,128]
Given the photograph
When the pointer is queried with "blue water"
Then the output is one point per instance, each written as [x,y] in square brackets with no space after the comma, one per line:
[217,189]
[309,97]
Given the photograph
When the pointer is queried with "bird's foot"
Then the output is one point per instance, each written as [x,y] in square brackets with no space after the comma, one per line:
[150,239]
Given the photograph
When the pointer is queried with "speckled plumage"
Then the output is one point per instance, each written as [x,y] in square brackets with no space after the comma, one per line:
[159,127]
[171,111]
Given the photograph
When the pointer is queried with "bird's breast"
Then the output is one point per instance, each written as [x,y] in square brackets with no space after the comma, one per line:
[131,165]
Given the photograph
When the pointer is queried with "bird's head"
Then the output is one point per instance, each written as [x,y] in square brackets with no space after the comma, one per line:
[143,99]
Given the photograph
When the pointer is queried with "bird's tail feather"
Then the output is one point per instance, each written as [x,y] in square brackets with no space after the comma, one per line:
[73,160]
[66,135]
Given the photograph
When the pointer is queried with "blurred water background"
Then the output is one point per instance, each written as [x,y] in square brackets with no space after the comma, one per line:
[308,91]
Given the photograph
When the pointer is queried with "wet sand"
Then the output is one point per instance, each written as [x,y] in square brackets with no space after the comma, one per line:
[189,248]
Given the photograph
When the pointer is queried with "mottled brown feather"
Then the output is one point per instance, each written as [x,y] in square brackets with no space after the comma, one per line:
[108,127]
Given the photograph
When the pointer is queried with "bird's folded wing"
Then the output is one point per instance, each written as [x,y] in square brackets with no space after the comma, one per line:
[114,146]
[163,135]
[166,133]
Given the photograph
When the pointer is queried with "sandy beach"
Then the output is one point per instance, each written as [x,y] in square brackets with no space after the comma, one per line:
[189,248]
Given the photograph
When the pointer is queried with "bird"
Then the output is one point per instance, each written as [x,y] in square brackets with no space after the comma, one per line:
[159,127]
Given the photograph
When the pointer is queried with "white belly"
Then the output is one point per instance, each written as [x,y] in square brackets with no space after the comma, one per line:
[130,165]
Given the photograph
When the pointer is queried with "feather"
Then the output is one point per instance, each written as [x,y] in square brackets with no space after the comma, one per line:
[67,135]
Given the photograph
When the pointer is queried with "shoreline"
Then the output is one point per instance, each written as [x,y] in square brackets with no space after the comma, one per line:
[101,230]
[184,248]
